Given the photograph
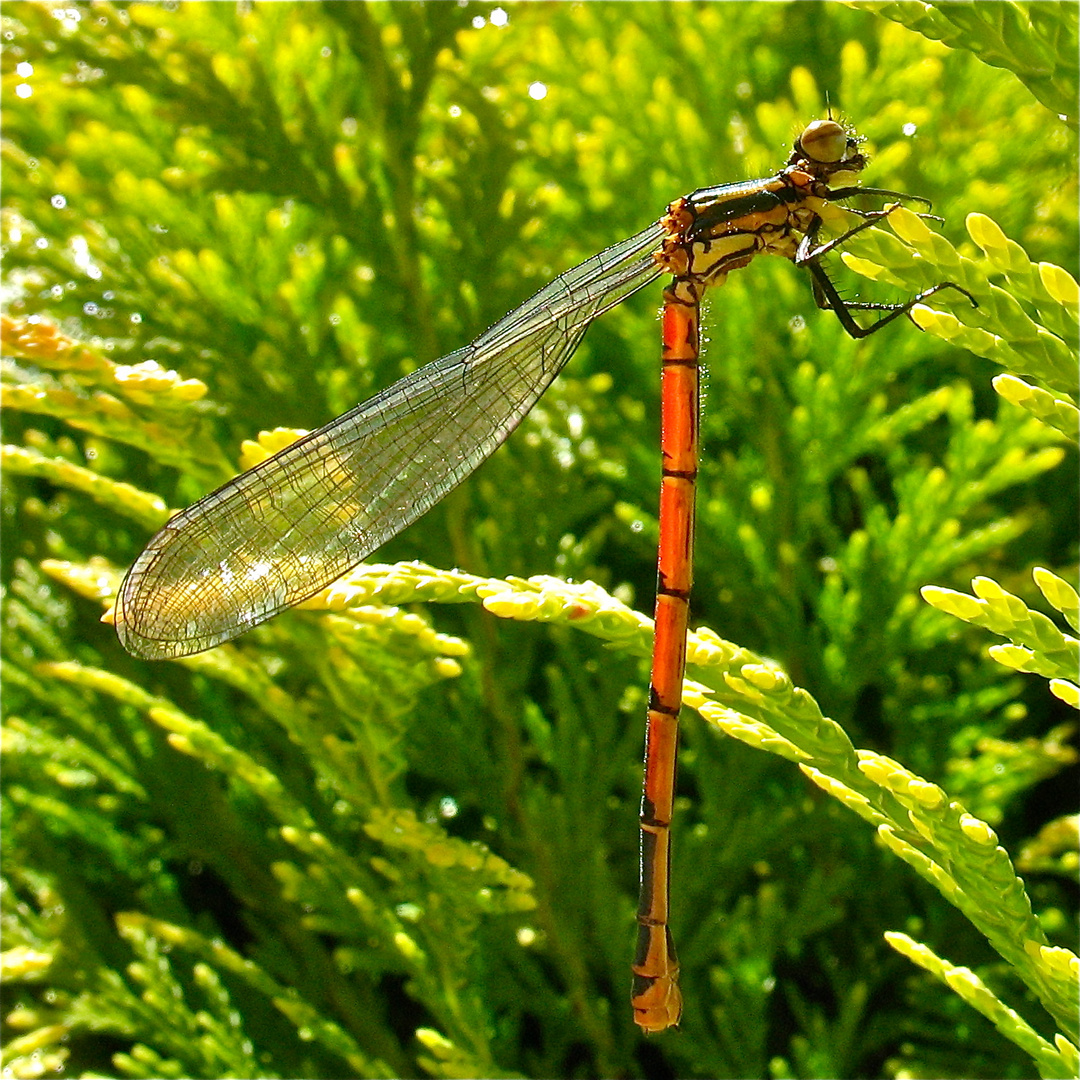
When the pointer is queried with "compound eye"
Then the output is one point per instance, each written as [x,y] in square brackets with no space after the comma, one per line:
[825,141]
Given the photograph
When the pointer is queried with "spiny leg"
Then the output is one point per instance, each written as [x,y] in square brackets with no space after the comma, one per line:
[826,295]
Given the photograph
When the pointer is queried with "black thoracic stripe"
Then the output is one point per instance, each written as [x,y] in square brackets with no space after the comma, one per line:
[709,211]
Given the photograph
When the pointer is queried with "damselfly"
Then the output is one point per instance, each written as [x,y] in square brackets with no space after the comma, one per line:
[285,529]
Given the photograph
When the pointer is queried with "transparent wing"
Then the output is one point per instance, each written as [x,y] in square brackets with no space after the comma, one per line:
[285,529]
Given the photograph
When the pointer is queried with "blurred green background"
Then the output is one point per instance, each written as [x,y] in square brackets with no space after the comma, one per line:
[299,203]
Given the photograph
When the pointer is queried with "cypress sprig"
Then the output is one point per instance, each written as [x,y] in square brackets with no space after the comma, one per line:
[38,1052]
[152,937]
[999,328]
[142,405]
[200,1032]
[1054,1061]
[1035,643]
[141,507]
[1056,412]
[1039,48]
[448,1060]
[332,887]
[395,844]
[754,701]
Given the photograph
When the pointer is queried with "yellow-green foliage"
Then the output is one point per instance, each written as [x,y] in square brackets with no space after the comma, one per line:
[394,833]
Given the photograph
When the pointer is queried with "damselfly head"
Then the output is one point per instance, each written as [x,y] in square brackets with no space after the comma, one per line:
[828,150]
[825,142]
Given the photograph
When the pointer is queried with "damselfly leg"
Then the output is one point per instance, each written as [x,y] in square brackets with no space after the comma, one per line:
[826,296]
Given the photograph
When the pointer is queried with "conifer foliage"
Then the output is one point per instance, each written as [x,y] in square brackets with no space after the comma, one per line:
[394,833]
